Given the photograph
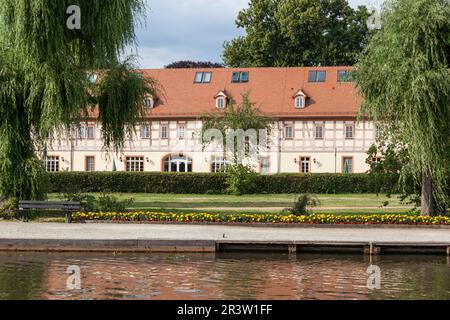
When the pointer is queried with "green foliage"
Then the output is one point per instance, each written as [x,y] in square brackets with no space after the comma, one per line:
[104,203]
[392,162]
[186,64]
[282,33]
[302,203]
[44,86]
[404,78]
[245,116]
[216,183]
[8,208]
[240,179]
[107,202]
[87,201]
[120,96]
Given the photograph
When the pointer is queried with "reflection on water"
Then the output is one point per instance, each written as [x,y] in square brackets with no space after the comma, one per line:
[229,276]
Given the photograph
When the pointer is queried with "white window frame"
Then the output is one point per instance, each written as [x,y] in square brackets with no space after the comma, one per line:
[300,102]
[352,131]
[134,164]
[218,163]
[291,136]
[322,132]
[265,165]
[52,164]
[305,165]
[164,134]
[181,131]
[221,102]
[149,103]
[86,132]
[146,131]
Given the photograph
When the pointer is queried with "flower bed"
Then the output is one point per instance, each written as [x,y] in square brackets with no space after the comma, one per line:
[260,218]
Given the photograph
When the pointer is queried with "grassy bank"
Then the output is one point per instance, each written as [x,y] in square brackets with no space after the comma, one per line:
[353,204]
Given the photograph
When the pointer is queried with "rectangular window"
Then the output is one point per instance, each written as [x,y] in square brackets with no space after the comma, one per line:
[207,77]
[135,164]
[240,77]
[86,132]
[265,165]
[236,77]
[349,131]
[182,132]
[347,165]
[305,165]
[244,76]
[344,76]
[90,132]
[288,132]
[52,163]
[164,132]
[378,132]
[318,134]
[317,76]
[218,164]
[81,133]
[90,164]
[300,102]
[203,77]
[376,160]
[145,132]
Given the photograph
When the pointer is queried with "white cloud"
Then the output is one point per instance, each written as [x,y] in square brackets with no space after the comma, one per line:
[190,30]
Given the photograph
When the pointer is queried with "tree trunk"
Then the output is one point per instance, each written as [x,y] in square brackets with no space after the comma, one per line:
[427,195]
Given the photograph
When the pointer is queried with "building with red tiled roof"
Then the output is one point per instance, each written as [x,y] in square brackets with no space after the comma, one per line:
[314,112]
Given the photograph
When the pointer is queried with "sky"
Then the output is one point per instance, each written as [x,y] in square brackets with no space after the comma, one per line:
[189,30]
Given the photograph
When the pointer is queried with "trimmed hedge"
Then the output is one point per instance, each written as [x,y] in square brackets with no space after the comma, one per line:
[215,183]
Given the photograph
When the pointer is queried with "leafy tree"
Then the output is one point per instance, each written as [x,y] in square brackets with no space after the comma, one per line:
[287,33]
[404,78]
[186,64]
[246,116]
[46,81]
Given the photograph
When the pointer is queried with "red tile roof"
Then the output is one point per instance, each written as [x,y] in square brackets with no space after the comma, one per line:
[271,89]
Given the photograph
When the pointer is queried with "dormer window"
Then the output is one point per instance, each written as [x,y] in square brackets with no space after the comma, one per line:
[221,100]
[300,100]
[220,104]
[149,103]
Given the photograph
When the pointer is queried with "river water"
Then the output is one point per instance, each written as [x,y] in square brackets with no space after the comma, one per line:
[223,276]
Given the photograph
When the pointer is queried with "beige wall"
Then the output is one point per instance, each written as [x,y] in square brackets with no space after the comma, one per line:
[284,154]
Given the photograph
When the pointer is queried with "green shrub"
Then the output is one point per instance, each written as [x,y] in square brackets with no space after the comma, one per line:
[104,203]
[8,208]
[302,203]
[240,179]
[209,183]
[108,202]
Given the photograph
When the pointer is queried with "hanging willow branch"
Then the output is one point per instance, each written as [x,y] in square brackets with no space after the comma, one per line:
[44,85]
[404,77]
[120,102]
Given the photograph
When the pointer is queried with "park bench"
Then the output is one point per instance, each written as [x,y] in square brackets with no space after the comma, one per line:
[67,207]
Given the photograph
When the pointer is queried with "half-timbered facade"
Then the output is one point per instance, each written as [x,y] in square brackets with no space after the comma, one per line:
[314,112]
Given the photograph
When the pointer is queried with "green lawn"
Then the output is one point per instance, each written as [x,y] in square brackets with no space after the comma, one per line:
[338,204]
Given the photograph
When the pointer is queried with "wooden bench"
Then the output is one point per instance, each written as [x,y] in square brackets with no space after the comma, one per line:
[67,207]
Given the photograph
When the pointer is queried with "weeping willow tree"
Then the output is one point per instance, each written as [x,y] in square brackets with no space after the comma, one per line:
[45,81]
[404,77]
